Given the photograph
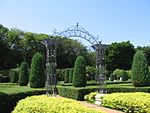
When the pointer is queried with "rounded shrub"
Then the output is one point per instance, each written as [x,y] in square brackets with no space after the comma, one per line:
[23,74]
[140,72]
[117,73]
[70,75]
[44,104]
[79,74]
[37,76]
[66,77]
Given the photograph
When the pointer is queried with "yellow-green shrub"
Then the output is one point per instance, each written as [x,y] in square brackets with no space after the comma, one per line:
[128,102]
[44,104]
[90,97]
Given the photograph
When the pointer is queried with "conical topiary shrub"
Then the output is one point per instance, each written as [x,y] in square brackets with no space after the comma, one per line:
[79,74]
[23,74]
[140,73]
[37,76]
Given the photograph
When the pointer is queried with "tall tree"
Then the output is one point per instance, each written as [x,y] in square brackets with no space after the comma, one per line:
[4,48]
[119,55]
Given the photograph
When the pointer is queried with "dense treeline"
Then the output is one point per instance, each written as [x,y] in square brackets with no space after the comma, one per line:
[17,46]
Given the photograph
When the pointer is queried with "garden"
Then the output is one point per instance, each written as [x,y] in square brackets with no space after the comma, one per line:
[23,76]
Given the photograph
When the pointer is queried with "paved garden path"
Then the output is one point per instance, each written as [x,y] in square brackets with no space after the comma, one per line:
[106,110]
[94,106]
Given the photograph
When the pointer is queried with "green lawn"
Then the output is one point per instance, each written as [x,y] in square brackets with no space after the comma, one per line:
[11,88]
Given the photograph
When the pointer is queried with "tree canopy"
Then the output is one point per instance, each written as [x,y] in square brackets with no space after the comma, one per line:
[119,55]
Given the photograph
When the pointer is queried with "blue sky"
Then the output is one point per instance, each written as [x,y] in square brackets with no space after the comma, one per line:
[112,20]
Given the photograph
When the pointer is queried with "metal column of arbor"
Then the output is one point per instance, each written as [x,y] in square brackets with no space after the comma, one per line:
[51,48]
[100,65]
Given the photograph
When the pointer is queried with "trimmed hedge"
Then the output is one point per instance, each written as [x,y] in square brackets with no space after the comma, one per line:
[44,104]
[74,93]
[79,93]
[128,102]
[8,101]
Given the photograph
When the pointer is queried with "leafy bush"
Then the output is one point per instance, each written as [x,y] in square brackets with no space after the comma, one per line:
[140,72]
[37,76]
[23,74]
[44,104]
[70,75]
[90,97]
[14,75]
[118,73]
[79,74]
[66,77]
[128,102]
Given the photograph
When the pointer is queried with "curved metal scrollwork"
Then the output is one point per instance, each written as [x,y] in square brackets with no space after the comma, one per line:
[77,31]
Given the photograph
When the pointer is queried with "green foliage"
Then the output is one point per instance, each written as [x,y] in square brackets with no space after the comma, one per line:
[146,50]
[119,55]
[14,75]
[129,74]
[76,93]
[91,72]
[10,94]
[44,104]
[66,77]
[4,48]
[79,75]
[70,75]
[23,74]
[60,73]
[128,102]
[124,75]
[140,72]
[37,76]
[112,77]
[90,97]
[120,74]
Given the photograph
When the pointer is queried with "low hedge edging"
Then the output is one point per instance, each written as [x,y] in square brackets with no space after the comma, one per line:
[74,93]
[8,101]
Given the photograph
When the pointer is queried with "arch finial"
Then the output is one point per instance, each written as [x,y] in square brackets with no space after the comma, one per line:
[77,24]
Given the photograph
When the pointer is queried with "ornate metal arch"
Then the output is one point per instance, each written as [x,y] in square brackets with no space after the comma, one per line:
[78,31]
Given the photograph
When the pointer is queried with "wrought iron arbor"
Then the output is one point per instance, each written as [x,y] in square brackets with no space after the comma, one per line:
[51,47]
[78,31]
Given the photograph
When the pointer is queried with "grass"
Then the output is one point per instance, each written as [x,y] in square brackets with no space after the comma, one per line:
[10,88]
